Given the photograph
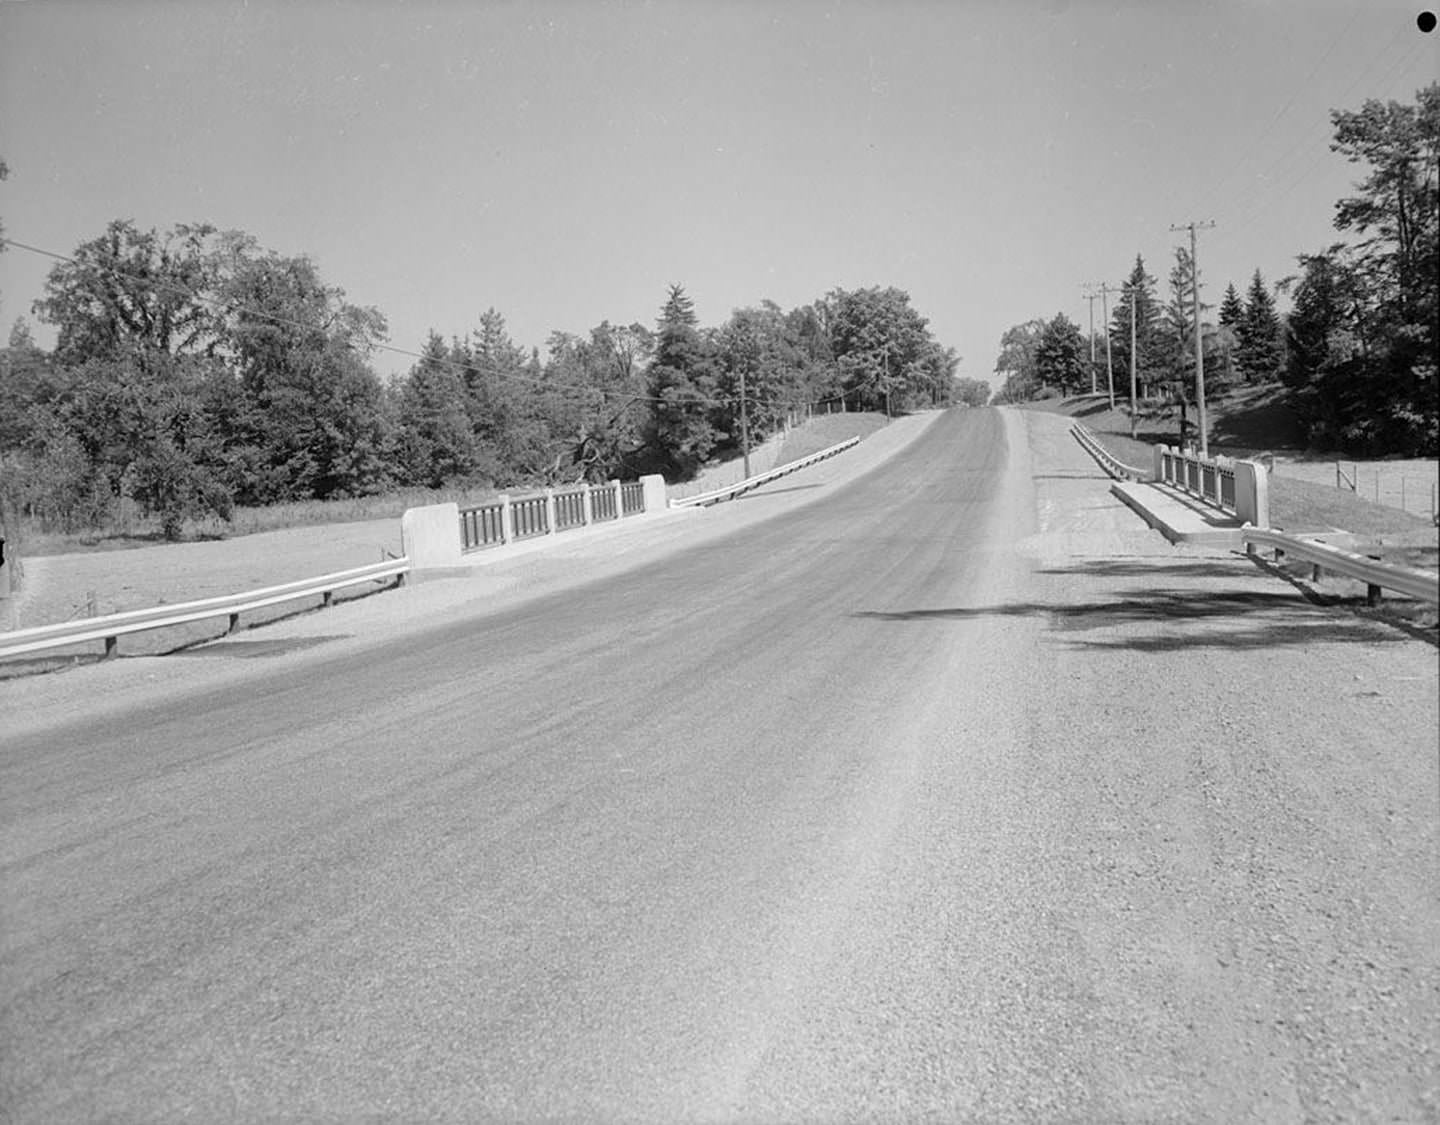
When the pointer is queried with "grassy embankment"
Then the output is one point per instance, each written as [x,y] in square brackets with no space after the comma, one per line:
[815,435]
[1247,423]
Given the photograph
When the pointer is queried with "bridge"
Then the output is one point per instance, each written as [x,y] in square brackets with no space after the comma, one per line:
[926,785]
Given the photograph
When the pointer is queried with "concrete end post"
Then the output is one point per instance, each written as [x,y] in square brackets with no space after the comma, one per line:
[653,485]
[619,500]
[430,536]
[549,511]
[1252,493]
[507,520]
[587,505]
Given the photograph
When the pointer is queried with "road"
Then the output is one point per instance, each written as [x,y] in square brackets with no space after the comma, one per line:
[952,794]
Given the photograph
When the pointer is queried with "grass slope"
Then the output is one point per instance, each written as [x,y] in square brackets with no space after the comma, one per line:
[825,431]
[1246,423]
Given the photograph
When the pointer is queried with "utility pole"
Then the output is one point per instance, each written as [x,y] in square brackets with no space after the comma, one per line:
[1105,291]
[1199,346]
[744,425]
[1132,361]
[1090,297]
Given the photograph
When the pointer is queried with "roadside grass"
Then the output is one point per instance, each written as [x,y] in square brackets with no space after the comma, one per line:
[145,532]
[825,431]
[138,531]
[1247,422]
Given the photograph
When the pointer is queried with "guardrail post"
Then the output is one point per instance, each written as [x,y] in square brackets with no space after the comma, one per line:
[112,646]
[326,598]
[233,624]
[507,526]
[549,511]
[587,508]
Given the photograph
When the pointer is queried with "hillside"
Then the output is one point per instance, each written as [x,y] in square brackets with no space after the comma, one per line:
[1303,496]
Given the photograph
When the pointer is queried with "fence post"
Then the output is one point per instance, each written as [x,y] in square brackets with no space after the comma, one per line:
[549,511]
[619,500]
[587,511]
[507,517]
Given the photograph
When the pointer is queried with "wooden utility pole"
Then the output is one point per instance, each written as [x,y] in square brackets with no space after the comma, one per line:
[744,426]
[1090,298]
[1199,344]
[1132,361]
[1105,292]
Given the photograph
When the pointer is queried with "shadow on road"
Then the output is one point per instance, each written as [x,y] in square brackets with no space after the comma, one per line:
[775,491]
[1159,567]
[1228,620]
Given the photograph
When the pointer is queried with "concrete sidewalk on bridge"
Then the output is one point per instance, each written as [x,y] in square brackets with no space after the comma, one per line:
[1180,518]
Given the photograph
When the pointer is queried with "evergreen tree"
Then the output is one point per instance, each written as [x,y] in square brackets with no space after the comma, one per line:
[1152,348]
[1179,332]
[1061,359]
[1260,352]
[1232,309]
[679,432]
[435,441]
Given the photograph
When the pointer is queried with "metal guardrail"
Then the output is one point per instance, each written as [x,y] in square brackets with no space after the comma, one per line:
[729,492]
[1111,464]
[1423,585]
[113,626]
[522,517]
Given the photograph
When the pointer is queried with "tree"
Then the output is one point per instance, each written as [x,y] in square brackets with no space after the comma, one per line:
[1397,207]
[434,438]
[1153,349]
[1397,264]
[1260,351]
[1016,361]
[679,431]
[313,424]
[596,408]
[134,292]
[971,392]
[882,347]
[1232,309]
[1179,315]
[1061,356]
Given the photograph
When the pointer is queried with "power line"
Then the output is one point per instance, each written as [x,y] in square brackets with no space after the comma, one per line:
[1313,140]
[1299,175]
[1295,93]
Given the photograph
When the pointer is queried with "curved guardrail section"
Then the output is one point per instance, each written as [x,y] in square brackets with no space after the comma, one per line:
[1423,585]
[1112,465]
[716,496]
[112,626]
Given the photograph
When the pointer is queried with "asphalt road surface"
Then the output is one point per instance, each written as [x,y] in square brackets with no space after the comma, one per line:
[952,794]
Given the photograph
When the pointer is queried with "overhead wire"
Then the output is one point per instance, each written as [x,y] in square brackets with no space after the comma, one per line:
[544,383]
[1313,140]
[1298,176]
[1264,133]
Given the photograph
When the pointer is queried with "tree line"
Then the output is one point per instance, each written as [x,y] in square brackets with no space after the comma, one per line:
[195,370]
[1357,348]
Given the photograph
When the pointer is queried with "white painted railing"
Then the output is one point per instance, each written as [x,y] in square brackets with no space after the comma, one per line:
[1112,465]
[729,492]
[1413,582]
[113,626]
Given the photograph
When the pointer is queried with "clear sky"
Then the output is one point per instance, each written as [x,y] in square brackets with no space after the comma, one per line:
[566,162]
